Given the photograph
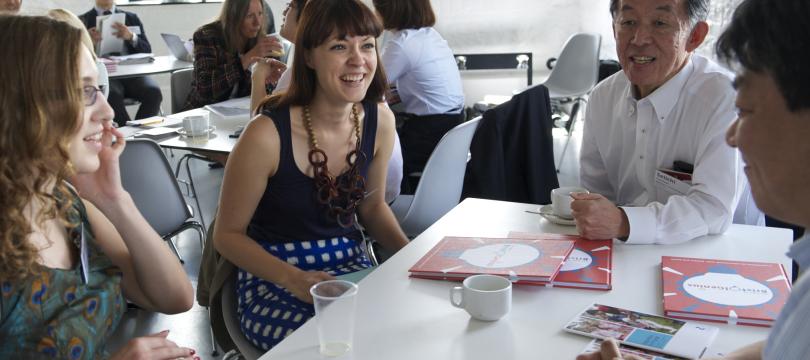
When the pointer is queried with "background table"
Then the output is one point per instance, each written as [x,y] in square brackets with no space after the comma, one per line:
[403,318]
[162,64]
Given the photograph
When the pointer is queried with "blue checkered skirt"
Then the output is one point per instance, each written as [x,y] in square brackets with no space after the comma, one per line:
[267,312]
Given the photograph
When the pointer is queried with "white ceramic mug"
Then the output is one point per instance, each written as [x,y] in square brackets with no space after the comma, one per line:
[196,125]
[485,297]
[561,200]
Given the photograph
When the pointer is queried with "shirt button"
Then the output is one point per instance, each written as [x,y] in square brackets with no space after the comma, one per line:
[643,131]
[641,157]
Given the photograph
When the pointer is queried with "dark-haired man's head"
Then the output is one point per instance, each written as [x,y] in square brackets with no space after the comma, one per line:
[767,42]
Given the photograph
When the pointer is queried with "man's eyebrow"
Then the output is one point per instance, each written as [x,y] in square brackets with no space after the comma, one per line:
[667,8]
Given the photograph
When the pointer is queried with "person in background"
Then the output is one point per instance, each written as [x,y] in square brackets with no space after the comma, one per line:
[73,20]
[666,105]
[305,169]
[422,69]
[71,254]
[10,6]
[225,50]
[143,88]
[267,71]
[771,132]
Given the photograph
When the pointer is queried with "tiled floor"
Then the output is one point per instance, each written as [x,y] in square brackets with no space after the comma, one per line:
[191,329]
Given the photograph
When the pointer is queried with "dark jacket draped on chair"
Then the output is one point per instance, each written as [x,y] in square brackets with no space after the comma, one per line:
[512,152]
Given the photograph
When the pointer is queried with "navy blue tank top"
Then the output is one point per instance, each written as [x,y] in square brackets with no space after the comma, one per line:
[288,210]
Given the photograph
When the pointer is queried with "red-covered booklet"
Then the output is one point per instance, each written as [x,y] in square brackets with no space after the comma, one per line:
[587,267]
[520,260]
[734,292]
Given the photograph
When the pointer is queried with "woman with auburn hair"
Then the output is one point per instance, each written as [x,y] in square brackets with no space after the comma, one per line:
[69,256]
[420,65]
[304,169]
[225,49]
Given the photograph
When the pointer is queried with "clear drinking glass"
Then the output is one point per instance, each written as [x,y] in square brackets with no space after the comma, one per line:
[335,303]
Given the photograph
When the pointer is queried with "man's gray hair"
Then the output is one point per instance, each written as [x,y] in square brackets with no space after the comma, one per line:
[697,10]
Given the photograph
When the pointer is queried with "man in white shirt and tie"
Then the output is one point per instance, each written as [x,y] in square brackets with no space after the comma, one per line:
[667,105]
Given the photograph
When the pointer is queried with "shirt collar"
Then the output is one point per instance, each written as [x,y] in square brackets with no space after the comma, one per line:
[800,252]
[665,97]
[101,11]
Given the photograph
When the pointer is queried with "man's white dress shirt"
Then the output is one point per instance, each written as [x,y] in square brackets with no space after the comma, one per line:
[421,65]
[626,141]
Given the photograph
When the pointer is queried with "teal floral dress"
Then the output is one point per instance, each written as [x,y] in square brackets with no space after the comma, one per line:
[57,314]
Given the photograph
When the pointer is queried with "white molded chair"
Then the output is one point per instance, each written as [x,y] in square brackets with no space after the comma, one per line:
[180,87]
[439,189]
[574,75]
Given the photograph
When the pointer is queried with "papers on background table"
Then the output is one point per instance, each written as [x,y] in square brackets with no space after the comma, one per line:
[232,109]
[109,42]
[132,59]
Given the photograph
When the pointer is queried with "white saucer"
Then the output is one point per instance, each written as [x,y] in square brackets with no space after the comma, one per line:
[182,132]
[548,214]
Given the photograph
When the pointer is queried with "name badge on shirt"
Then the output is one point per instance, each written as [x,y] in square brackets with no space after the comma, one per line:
[83,255]
[671,183]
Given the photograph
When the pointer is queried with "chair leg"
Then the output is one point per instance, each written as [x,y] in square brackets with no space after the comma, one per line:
[194,193]
[575,109]
[174,250]
[214,349]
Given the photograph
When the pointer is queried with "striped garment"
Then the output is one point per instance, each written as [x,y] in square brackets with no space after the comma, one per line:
[790,336]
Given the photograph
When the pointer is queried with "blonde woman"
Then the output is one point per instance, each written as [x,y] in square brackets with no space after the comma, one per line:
[70,255]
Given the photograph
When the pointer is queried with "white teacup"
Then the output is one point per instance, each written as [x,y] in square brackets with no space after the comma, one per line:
[196,125]
[485,297]
[561,200]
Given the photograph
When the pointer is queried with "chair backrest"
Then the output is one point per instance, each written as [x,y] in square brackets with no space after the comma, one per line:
[576,71]
[181,86]
[231,318]
[439,188]
[148,177]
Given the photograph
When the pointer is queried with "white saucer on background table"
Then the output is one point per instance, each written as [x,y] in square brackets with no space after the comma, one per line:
[547,212]
[183,132]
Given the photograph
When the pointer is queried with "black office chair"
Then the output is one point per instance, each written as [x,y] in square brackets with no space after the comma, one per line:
[148,177]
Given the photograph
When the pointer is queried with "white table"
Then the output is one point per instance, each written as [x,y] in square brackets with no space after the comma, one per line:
[403,318]
[162,64]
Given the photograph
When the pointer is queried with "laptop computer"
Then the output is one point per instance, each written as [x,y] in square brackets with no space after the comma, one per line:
[177,47]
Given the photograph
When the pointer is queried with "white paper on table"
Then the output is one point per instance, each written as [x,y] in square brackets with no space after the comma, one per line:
[233,108]
[157,131]
[109,42]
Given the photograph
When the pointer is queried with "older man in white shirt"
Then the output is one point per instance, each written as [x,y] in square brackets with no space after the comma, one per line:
[666,105]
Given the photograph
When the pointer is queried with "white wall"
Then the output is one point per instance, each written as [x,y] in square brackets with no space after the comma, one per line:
[470,26]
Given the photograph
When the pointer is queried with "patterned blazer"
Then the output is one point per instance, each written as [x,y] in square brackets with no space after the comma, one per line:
[218,73]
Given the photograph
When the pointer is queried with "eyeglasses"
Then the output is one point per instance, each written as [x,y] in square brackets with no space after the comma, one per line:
[90,94]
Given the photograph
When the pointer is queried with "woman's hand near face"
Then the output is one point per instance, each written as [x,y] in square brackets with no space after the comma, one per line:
[103,187]
[268,71]
[265,47]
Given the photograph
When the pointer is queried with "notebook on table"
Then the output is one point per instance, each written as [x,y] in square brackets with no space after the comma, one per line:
[733,292]
[527,261]
[589,265]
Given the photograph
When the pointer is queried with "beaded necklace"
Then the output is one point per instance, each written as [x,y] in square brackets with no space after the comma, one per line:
[343,193]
